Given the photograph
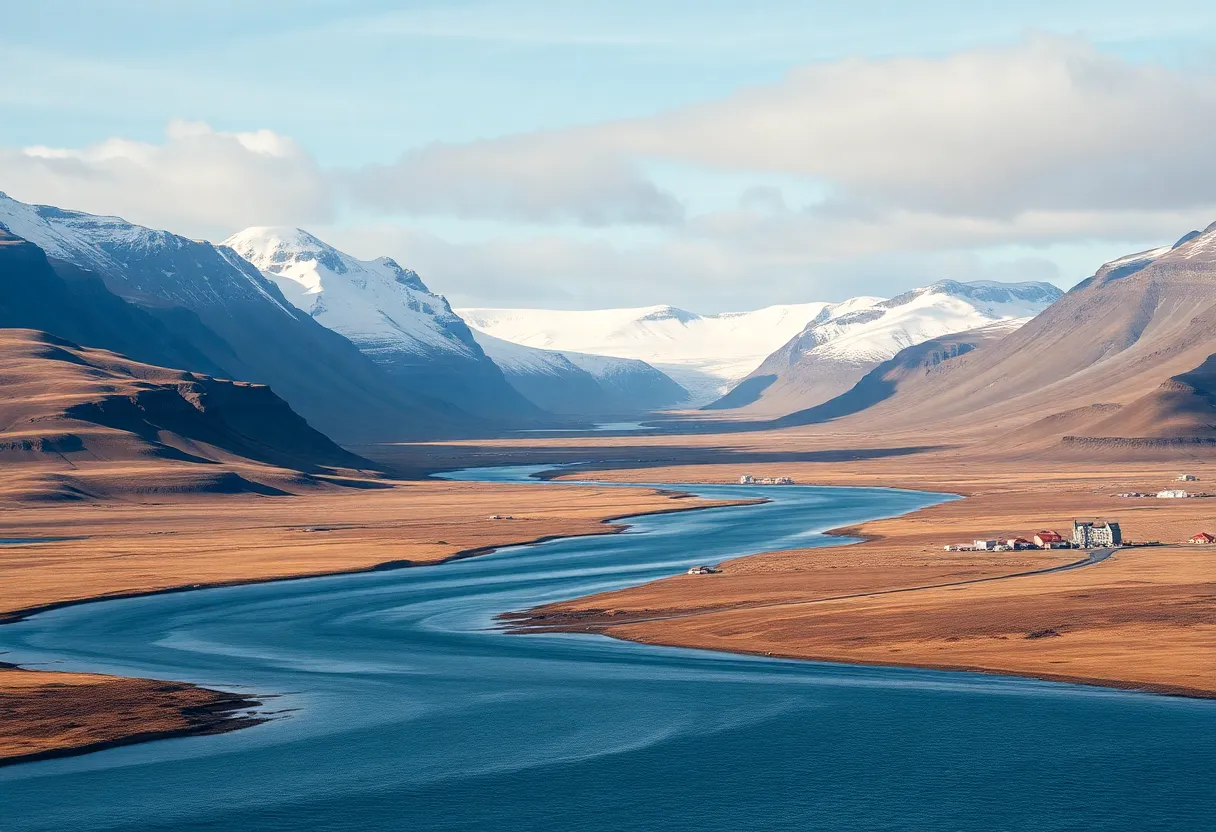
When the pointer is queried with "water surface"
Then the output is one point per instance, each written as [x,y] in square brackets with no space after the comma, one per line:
[412,713]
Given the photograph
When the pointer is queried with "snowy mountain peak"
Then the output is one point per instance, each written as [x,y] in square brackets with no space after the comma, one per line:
[981,291]
[143,262]
[385,309]
[277,249]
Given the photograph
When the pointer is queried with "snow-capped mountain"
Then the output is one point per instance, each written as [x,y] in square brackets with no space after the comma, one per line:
[711,354]
[578,384]
[844,341]
[705,354]
[241,322]
[388,313]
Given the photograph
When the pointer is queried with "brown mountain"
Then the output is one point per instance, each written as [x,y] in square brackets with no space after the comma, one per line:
[65,403]
[1125,359]
[919,371]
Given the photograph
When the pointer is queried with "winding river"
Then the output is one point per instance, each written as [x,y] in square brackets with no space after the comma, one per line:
[403,708]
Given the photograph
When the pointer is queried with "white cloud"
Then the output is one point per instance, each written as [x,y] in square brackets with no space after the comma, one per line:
[198,181]
[1049,124]
[529,178]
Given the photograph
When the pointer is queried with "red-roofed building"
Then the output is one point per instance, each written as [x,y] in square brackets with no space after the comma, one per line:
[1202,538]
[1048,539]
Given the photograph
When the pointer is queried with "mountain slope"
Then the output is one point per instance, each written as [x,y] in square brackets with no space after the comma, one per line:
[582,385]
[1124,357]
[704,354]
[75,304]
[65,400]
[921,369]
[389,314]
[845,341]
[240,322]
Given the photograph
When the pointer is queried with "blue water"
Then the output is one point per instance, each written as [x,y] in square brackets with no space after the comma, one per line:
[407,711]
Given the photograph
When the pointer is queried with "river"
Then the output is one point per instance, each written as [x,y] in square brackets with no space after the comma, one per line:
[404,708]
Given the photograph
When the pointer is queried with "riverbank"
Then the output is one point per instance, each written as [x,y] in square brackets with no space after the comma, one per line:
[1144,619]
[50,714]
[127,548]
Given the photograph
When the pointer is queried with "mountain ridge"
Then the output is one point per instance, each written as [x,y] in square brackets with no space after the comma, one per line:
[389,314]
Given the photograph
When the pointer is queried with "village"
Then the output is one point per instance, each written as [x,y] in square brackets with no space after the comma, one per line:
[1086,534]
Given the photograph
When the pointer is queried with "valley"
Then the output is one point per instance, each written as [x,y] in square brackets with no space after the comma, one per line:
[1035,408]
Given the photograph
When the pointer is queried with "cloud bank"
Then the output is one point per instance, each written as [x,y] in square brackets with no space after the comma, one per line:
[1044,142]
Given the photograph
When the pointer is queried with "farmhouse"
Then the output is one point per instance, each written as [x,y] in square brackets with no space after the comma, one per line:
[1094,534]
[1203,538]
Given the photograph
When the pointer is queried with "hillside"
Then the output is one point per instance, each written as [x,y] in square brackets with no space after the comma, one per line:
[1122,361]
[63,402]
[390,315]
[240,322]
[919,371]
[845,341]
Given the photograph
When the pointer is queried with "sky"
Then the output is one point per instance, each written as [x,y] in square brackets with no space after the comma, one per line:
[711,155]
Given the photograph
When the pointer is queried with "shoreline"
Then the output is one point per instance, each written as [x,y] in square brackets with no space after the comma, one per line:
[183,710]
[740,621]
[218,710]
[1179,691]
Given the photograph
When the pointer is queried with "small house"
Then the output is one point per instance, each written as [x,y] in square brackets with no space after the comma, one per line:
[1203,538]
[986,545]
[1016,543]
[1187,478]
[1172,494]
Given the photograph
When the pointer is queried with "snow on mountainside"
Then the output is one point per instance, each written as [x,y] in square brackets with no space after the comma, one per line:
[709,354]
[577,384]
[703,353]
[844,341]
[148,263]
[239,320]
[388,313]
[375,303]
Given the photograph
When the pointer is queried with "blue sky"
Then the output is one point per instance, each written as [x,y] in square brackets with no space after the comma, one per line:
[378,118]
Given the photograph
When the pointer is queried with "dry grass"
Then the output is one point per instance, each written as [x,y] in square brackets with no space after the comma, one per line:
[51,714]
[1146,618]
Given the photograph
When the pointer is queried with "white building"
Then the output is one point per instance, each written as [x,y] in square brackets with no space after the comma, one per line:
[1092,535]
[1172,494]
[746,479]
[1187,478]
[986,545]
